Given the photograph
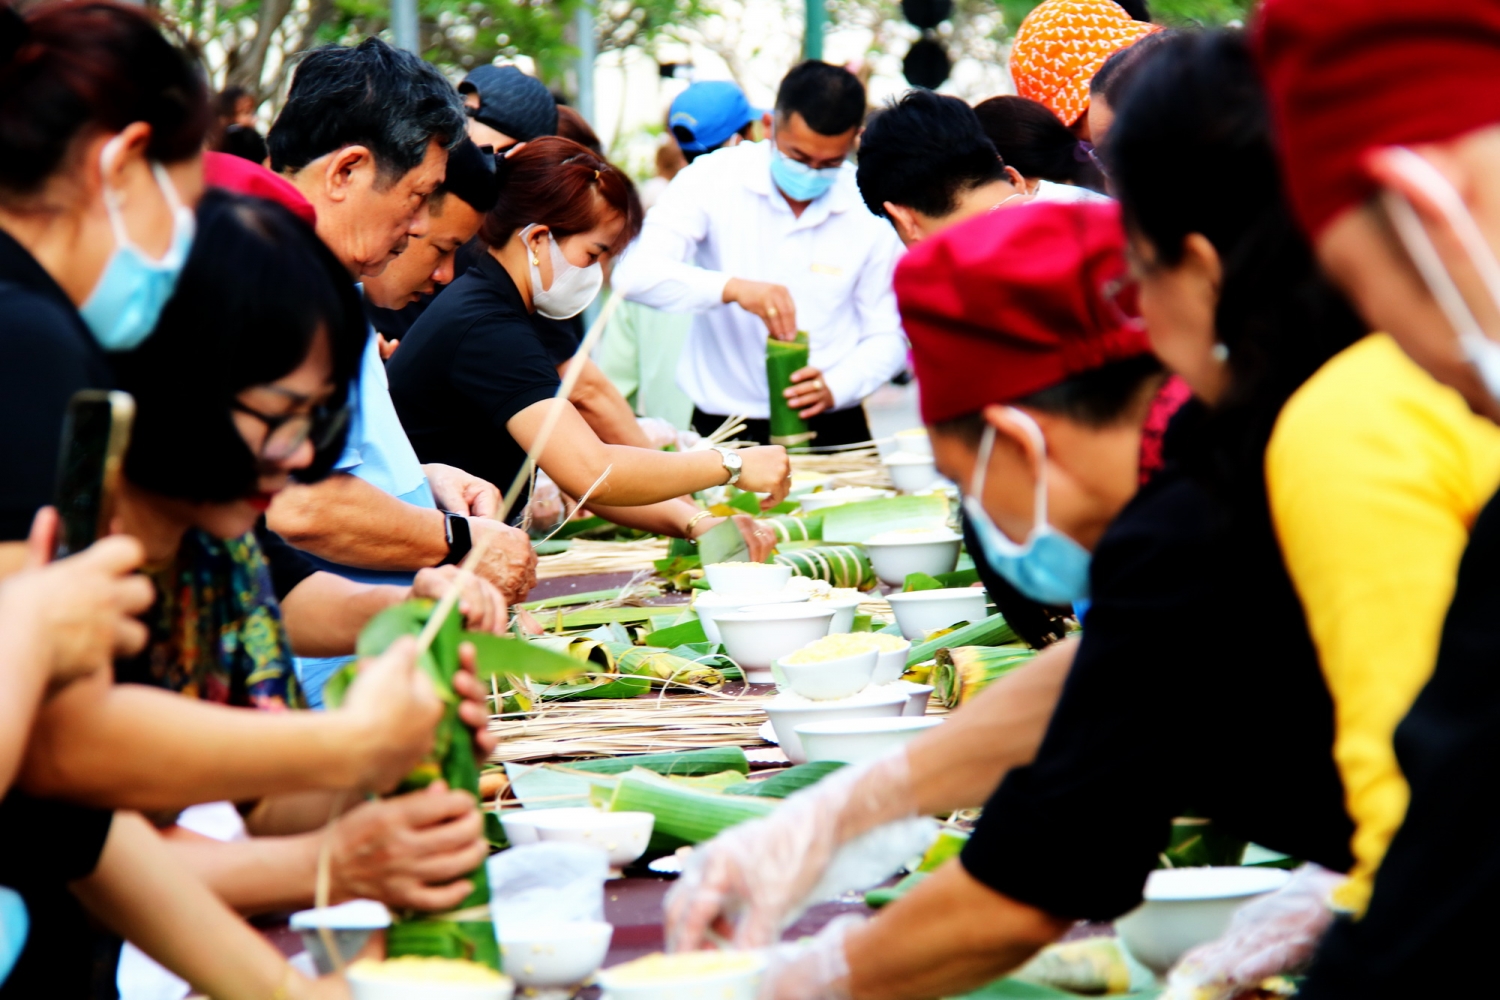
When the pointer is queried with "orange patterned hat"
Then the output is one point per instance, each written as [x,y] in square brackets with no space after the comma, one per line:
[1062,44]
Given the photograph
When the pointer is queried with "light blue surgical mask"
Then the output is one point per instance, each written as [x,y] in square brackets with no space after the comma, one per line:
[129,298]
[798,181]
[1048,567]
[14,926]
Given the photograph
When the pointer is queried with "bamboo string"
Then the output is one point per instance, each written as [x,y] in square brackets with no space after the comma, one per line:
[579,505]
[323,883]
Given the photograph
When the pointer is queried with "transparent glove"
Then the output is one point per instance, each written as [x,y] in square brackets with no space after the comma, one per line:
[1270,936]
[545,508]
[813,968]
[659,432]
[752,879]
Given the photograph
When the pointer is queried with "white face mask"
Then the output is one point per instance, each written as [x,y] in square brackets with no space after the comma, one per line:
[1482,352]
[573,287]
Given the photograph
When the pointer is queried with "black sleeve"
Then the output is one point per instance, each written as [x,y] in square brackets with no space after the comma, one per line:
[1434,899]
[43,367]
[44,842]
[560,337]
[502,367]
[288,565]
[1077,831]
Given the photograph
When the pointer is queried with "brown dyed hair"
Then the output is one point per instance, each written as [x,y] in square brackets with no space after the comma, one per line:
[559,184]
[71,68]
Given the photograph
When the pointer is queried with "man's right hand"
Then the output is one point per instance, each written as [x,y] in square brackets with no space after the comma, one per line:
[509,560]
[395,711]
[83,607]
[772,303]
[412,851]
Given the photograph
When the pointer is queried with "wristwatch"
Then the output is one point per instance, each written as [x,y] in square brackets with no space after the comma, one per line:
[460,541]
[732,464]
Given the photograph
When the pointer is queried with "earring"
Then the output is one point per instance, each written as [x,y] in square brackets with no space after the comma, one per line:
[1221,353]
[534,261]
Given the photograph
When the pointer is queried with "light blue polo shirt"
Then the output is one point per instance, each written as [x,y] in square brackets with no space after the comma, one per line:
[378,452]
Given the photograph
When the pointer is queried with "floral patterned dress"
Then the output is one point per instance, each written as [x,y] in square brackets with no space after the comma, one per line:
[216,628]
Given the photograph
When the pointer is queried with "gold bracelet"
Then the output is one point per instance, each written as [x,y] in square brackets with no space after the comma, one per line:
[282,989]
[687,531]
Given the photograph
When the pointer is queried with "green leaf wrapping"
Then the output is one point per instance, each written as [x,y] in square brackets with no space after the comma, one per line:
[782,359]
[797,529]
[991,631]
[861,521]
[784,783]
[723,543]
[840,565]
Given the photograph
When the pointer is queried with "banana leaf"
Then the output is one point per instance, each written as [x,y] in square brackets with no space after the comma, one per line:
[961,672]
[784,783]
[839,565]
[631,671]
[783,358]
[1196,842]
[723,543]
[858,522]
[451,758]
[992,631]
[677,635]
[567,600]
[708,760]
[797,529]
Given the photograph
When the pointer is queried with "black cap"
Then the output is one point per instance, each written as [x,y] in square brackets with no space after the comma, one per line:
[511,102]
[471,175]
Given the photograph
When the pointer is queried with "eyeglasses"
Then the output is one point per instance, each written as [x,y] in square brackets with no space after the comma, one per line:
[288,432]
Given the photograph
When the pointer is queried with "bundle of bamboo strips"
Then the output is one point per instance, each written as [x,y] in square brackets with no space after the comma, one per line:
[589,558]
[852,467]
[640,725]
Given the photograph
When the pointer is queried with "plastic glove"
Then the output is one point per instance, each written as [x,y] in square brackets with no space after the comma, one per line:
[1270,936]
[545,508]
[752,879]
[659,432]
[813,968]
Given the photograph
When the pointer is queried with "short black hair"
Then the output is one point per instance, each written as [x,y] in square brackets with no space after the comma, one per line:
[1139,10]
[244,142]
[921,152]
[258,287]
[369,95]
[471,177]
[829,98]
[1119,69]
[1029,137]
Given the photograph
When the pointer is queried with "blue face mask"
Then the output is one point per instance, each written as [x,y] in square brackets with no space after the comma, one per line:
[124,306]
[14,925]
[798,181]
[1048,567]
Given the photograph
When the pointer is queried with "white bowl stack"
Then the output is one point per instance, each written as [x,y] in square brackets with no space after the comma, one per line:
[922,611]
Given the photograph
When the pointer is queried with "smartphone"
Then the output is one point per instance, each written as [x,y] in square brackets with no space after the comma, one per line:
[96,432]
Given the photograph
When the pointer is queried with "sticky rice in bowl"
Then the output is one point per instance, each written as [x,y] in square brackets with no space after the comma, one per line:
[414,977]
[689,975]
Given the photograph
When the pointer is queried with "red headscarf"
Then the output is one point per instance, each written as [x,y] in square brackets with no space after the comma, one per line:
[1061,45]
[234,173]
[1016,301]
[1348,76]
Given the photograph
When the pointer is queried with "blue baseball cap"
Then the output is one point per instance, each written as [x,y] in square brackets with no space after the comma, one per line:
[707,114]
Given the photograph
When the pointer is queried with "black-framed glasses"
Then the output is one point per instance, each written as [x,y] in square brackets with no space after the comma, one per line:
[287,432]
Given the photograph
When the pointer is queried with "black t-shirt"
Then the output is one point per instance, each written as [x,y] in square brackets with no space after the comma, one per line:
[560,337]
[44,845]
[1432,916]
[473,361]
[289,566]
[393,324]
[1196,687]
[48,355]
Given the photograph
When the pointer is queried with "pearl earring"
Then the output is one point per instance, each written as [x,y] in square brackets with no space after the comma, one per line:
[1221,353]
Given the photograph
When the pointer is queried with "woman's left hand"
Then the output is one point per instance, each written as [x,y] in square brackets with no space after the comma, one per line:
[759,536]
[482,605]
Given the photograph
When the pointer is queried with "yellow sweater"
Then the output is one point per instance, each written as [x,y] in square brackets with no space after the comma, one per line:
[1376,472]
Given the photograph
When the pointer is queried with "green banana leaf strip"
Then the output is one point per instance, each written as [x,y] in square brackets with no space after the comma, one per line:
[677,635]
[604,616]
[784,783]
[959,578]
[991,631]
[723,543]
[552,546]
[709,760]
[797,529]
[566,600]
[858,522]
[888,894]
[746,503]
[782,359]
[920,581]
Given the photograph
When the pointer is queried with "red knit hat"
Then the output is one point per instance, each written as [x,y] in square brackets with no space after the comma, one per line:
[1349,76]
[1016,301]
[234,173]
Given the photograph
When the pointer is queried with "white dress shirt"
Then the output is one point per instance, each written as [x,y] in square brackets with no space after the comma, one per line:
[721,218]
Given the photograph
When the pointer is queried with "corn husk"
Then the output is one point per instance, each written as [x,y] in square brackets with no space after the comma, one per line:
[839,565]
[963,671]
[500,660]
[783,358]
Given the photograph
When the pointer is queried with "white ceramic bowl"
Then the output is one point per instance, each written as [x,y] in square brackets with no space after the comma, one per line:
[623,835]
[709,606]
[520,824]
[831,679]
[351,925]
[923,611]
[1186,907]
[834,498]
[739,985]
[917,697]
[910,472]
[890,664]
[855,741]
[894,561]
[755,638]
[786,718]
[362,987]
[554,956]
[747,579]
[914,442]
[843,613]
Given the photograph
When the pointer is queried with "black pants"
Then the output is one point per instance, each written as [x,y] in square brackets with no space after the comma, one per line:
[836,427]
